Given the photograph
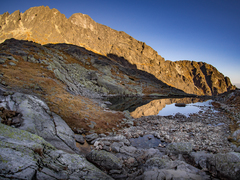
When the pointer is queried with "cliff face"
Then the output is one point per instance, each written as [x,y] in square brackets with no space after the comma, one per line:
[44,25]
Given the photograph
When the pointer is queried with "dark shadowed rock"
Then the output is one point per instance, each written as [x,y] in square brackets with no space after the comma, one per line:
[180,104]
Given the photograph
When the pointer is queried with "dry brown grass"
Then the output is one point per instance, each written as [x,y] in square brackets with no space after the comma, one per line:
[77,111]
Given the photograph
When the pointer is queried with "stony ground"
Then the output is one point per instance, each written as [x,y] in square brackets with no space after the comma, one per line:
[207,130]
[196,147]
[201,146]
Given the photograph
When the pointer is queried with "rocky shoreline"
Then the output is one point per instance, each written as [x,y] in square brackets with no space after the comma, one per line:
[194,147]
[151,147]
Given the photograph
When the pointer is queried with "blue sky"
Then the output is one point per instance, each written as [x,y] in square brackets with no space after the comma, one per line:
[199,30]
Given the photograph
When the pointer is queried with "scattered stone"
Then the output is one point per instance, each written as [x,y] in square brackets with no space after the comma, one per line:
[236,134]
[12,58]
[128,150]
[79,138]
[107,148]
[104,160]
[2,60]
[116,146]
[12,64]
[102,135]
[180,148]
[92,125]
[89,138]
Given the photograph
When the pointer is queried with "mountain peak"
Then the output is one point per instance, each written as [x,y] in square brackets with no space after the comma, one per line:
[44,25]
[83,21]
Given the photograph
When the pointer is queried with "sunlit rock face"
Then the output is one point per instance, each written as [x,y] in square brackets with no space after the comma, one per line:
[44,25]
[153,107]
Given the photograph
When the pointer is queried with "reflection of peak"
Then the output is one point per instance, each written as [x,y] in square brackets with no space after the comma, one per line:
[153,107]
[44,25]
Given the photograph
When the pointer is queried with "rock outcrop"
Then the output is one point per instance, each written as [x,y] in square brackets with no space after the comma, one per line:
[36,117]
[27,156]
[44,25]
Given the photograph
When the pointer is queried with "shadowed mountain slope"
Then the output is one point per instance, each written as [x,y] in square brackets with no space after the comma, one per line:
[44,25]
[69,78]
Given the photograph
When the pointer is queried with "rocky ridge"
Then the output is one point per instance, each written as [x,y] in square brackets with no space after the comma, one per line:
[44,25]
[69,77]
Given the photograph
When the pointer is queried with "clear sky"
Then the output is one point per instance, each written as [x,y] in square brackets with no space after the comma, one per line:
[199,30]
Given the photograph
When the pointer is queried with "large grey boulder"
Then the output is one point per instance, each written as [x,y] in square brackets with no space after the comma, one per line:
[179,148]
[104,160]
[200,158]
[27,156]
[38,119]
[163,168]
[225,165]
[167,174]
[156,162]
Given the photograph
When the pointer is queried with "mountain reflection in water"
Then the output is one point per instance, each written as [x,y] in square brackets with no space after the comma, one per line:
[144,106]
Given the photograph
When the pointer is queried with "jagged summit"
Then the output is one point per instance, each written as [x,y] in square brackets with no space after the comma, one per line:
[44,25]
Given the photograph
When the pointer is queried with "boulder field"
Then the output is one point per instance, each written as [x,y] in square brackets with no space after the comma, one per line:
[37,144]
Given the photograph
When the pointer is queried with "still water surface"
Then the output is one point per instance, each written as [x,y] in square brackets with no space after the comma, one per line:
[143,106]
[192,108]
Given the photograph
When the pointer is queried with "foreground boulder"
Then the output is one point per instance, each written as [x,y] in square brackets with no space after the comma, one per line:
[104,160]
[37,118]
[162,168]
[225,165]
[179,148]
[27,156]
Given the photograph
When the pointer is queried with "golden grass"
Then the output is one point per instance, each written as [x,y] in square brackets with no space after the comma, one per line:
[77,111]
